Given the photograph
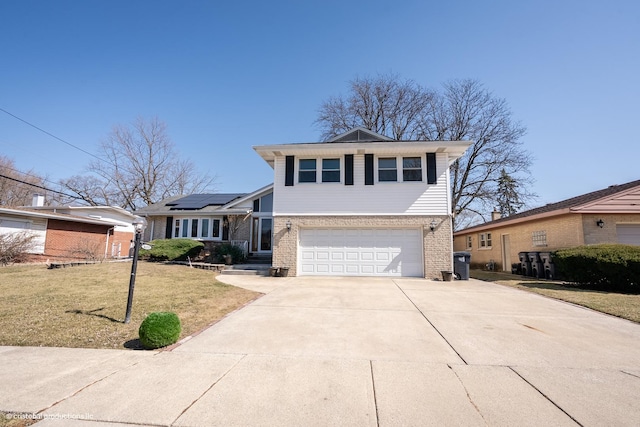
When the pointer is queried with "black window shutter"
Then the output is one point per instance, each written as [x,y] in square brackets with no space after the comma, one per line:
[167,231]
[348,169]
[225,228]
[368,169]
[288,171]
[432,176]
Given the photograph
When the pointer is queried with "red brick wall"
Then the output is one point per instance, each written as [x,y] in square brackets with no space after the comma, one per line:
[74,240]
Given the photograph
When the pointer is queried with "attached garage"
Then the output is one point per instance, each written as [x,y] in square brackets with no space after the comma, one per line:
[360,252]
[628,234]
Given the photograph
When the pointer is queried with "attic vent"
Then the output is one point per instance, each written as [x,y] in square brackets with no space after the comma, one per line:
[357,136]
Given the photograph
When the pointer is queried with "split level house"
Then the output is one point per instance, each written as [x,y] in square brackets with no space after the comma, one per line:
[610,215]
[360,204]
[70,232]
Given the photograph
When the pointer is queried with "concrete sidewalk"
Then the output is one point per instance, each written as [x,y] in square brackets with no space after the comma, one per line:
[352,351]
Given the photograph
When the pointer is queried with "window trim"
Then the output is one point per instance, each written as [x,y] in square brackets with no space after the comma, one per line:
[339,170]
[485,240]
[379,169]
[406,169]
[183,228]
[314,170]
[400,169]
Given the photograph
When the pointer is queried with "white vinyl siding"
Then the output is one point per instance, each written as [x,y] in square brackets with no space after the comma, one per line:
[408,198]
[35,226]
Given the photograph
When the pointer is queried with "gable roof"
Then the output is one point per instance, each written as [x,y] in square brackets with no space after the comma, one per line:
[359,134]
[35,213]
[623,198]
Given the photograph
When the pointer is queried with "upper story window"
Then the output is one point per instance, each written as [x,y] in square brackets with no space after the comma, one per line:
[387,169]
[330,170]
[484,240]
[263,204]
[412,169]
[196,228]
[307,170]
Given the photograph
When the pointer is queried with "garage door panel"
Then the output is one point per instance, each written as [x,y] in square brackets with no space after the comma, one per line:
[628,234]
[366,252]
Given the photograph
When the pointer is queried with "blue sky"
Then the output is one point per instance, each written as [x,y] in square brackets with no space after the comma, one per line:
[225,76]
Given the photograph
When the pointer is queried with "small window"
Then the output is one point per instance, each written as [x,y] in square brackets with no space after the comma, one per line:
[539,238]
[469,242]
[330,170]
[205,227]
[484,240]
[411,169]
[176,229]
[387,169]
[185,228]
[216,228]
[266,203]
[194,228]
[307,172]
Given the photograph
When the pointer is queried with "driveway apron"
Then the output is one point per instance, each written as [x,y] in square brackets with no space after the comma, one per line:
[361,352]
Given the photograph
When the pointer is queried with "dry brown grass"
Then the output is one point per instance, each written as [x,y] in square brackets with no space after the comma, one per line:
[85,306]
[621,305]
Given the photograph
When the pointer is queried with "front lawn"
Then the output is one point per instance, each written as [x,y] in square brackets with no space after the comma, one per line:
[85,306]
[626,306]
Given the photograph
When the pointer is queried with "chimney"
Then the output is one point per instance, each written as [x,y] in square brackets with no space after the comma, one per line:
[495,215]
[38,200]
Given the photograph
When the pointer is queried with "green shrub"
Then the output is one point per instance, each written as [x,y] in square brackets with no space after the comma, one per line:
[159,329]
[602,267]
[172,250]
[237,254]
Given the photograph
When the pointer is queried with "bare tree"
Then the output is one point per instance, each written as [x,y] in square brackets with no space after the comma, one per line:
[462,110]
[140,167]
[17,188]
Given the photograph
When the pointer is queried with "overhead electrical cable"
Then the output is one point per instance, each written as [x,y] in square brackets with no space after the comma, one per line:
[38,186]
[53,136]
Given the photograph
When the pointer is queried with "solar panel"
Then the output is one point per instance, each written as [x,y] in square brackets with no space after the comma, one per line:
[199,201]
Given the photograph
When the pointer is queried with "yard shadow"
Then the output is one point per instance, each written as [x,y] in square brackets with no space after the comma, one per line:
[94,314]
[133,345]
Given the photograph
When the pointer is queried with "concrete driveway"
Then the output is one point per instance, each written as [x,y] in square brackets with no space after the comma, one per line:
[365,351]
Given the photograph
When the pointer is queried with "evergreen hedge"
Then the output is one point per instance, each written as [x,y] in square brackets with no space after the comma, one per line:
[172,250]
[602,267]
[159,329]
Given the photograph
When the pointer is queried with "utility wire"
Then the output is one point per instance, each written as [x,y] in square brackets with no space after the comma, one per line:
[53,136]
[38,186]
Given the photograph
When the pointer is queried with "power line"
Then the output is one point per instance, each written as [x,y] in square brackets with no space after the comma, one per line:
[52,135]
[38,186]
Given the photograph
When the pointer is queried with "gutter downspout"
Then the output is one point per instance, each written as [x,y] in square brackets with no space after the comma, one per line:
[106,245]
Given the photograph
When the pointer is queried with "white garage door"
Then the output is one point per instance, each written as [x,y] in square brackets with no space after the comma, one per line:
[628,234]
[360,252]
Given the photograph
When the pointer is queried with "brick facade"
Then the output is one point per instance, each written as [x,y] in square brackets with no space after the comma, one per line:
[75,240]
[561,231]
[436,244]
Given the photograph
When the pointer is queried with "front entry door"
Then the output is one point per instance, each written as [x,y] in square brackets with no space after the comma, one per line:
[262,234]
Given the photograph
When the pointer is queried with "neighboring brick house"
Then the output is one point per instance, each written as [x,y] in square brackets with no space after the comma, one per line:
[610,215]
[62,236]
[363,204]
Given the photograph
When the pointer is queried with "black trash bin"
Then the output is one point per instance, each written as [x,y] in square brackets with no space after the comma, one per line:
[525,264]
[548,265]
[537,267]
[461,262]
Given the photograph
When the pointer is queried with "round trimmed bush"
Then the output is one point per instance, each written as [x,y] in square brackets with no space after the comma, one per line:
[159,329]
